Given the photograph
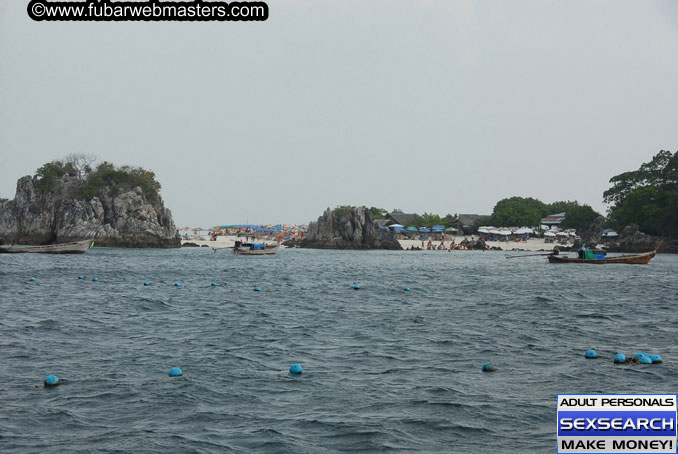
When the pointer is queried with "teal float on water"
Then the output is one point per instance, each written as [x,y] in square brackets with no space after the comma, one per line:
[81,277]
[175,372]
[214,283]
[356,287]
[257,288]
[619,358]
[406,289]
[591,354]
[645,360]
[303,287]
[51,380]
[656,359]
[640,355]
[31,279]
[177,284]
[296,369]
[146,283]
[95,278]
[487,367]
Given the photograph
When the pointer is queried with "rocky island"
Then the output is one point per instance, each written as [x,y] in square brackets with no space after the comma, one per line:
[70,201]
[346,228]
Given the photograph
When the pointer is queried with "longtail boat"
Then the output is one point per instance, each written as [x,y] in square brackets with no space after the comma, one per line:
[76,247]
[637,259]
[241,248]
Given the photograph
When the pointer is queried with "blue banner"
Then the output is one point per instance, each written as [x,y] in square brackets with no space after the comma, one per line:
[617,423]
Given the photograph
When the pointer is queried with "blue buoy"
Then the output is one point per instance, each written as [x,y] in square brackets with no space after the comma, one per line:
[175,372]
[296,368]
[31,279]
[487,367]
[146,283]
[81,277]
[214,283]
[257,289]
[656,359]
[619,358]
[51,380]
[177,284]
[406,289]
[591,353]
[640,355]
[645,360]
[95,278]
[303,287]
[356,287]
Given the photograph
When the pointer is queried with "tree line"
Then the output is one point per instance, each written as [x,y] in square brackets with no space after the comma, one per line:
[91,177]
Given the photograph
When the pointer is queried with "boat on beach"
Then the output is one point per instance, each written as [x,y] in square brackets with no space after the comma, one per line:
[242,248]
[636,259]
[76,247]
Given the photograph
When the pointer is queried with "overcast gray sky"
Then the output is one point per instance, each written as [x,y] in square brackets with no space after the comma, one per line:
[444,106]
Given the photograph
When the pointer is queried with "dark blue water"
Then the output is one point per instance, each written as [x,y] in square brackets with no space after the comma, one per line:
[384,370]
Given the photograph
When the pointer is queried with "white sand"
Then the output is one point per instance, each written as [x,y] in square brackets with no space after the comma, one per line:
[533,244]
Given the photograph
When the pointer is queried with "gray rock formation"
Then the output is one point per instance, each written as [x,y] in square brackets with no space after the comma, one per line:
[633,240]
[124,219]
[347,229]
[591,235]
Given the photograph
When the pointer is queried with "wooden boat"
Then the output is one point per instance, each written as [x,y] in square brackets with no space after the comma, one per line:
[76,247]
[241,248]
[637,259]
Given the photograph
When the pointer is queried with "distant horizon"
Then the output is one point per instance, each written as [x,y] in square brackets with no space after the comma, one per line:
[602,211]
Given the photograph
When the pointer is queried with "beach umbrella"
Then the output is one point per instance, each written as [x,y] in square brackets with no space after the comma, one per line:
[549,234]
[504,232]
[394,226]
[573,234]
[398,229]
[561,233]
[412,229]
[450,229]
[424,229]
[482,230]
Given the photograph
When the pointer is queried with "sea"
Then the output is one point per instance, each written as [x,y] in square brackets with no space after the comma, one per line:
[384,369]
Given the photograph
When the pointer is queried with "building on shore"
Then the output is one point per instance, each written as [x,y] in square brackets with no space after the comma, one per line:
[552,220]
[403,219]
[466,222]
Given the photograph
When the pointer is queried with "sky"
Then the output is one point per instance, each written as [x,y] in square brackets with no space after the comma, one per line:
[442,106]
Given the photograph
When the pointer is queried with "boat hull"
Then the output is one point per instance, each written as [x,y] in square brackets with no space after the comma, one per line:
[77,247]
[267,251]
[640,259]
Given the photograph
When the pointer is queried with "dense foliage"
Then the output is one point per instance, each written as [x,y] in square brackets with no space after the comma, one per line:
[377,213]
[647,197]
[526,211]
[430,219]
[90,182]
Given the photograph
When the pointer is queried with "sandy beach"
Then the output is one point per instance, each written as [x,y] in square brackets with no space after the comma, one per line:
[533,244]
[223,241]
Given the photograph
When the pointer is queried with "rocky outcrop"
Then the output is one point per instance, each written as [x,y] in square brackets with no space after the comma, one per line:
[633,240]
[591,235]
[346,229]
[477,245]
[122,217]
